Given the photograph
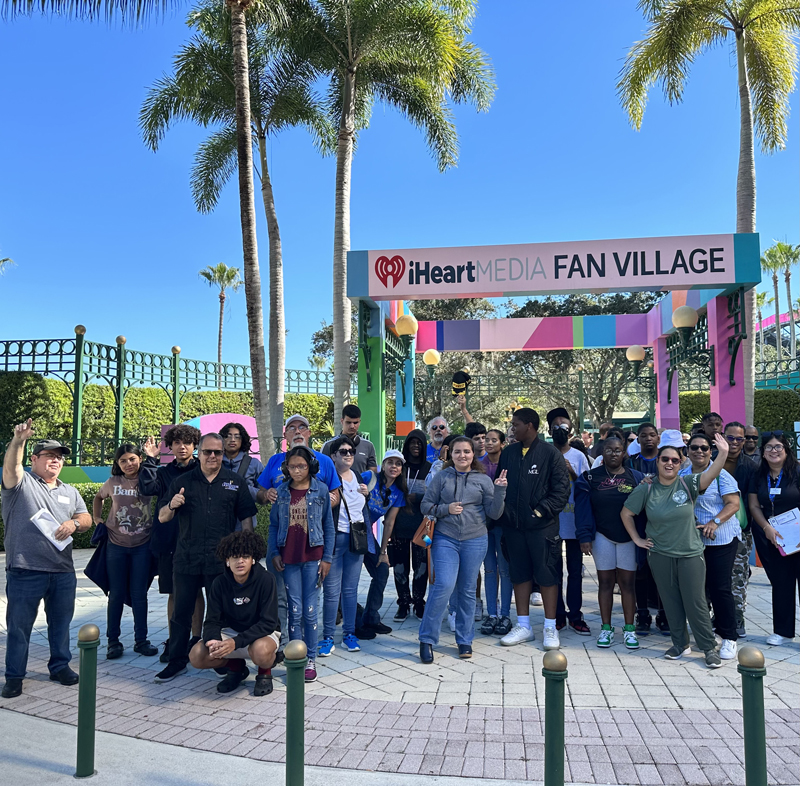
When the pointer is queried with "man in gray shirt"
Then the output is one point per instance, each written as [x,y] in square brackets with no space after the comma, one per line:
[365,450]
[36,569]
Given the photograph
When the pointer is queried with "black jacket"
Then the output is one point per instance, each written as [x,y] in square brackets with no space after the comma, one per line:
[251,609]
[410,517]
[537,481]
[154,481]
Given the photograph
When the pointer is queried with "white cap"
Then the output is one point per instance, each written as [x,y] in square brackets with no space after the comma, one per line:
[634,447]
[296,417]
[671,438]
[394,454]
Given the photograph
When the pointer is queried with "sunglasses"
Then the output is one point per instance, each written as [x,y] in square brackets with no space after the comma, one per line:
[665,460]
[754,439]
[438,428]
[206,452]
[702,448]
[346,452]
[735,440]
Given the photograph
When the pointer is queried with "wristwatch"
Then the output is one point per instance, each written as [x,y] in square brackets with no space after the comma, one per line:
[717,521]
[77,524]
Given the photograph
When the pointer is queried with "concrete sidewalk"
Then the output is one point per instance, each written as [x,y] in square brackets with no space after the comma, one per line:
[120,761]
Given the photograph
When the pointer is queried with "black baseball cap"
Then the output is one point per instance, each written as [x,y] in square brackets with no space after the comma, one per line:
[50,444]
[558,412]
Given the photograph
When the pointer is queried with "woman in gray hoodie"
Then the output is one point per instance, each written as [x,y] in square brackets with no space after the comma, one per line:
[461,498]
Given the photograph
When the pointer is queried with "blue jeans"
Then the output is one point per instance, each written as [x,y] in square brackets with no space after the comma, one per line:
[128,572]
[342,579]
[379,571]
[494,563]
[25,590]
[302,595]
[456,564]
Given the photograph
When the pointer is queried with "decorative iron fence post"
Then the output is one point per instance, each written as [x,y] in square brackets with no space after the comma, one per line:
[120,388]
[88,642]
[555,674]
[751,667]
[176,385]
[77,395]
[296,661]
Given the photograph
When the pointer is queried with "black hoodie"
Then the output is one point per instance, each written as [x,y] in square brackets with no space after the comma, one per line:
[409,518]
[251,609]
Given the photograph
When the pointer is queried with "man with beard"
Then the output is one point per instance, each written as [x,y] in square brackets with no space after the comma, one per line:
[437,430]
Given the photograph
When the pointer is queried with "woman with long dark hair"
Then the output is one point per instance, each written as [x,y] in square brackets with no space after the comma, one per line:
[128,557]
[775,489]
[461,498]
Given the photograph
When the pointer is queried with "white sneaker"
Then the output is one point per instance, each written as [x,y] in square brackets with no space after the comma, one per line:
[478,610]
[451,621]
[536,599]
[551,640]
[728,649]
[517,636]
[777,640]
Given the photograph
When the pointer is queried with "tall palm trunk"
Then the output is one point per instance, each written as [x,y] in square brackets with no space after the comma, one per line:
[341,245]
[760,338]
[746,215]
[247,209]
[219,338]
[787,277]
[277,320]
[778,337]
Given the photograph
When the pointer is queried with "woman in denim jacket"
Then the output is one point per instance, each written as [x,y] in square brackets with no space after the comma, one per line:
[461,498]
[301,538]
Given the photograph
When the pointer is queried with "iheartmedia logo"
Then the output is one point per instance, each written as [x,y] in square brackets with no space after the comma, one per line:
[390,270]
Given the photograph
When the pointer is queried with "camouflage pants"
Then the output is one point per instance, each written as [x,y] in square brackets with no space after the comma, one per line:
[741,575]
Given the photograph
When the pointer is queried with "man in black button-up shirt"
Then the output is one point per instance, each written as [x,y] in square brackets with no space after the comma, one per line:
[208,501]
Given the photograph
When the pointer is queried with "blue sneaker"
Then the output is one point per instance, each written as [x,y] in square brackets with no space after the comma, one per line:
[351,642]
[325,647]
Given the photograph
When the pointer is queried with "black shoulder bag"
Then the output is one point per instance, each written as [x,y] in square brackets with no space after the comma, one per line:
[358,531]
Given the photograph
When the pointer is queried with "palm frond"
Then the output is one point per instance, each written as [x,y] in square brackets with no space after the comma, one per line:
[473,77]
[214,165]
[107,10]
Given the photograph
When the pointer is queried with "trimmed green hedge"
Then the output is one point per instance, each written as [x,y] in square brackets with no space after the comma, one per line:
[88,490]
[773,409]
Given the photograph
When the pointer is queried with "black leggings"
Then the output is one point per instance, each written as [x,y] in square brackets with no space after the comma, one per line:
[405,556]
[719,571]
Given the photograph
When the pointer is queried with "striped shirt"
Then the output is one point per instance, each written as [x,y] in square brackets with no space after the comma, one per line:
[710,504]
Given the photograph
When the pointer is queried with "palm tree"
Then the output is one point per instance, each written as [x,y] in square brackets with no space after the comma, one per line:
[410,54]
[201,89]
[271,11]
[763,32]
[772,262]
[761,301]
[790,256]
[5,264]
[225,278]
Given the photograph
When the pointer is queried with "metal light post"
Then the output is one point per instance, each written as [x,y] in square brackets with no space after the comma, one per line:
[77,395]
[554,672]
[88,642]
[751,667]
[581,413]
[296,660]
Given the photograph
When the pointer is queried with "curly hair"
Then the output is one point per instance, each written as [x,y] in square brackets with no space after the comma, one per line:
[242,544]
[189,435]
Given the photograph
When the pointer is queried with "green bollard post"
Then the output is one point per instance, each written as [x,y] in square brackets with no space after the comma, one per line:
[751,667]
[296,662]
[88,642]
[555,674]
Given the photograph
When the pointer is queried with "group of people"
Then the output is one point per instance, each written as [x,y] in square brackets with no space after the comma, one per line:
[669,520]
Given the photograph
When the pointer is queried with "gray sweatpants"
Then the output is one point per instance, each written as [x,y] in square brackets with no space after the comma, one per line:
[681,583]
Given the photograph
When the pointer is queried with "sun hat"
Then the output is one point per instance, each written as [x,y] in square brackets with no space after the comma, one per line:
[671,438]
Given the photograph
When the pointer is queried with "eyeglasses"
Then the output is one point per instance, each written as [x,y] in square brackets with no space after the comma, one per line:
[773,448]
[211,452]
[665,460]
[702,448]
[234,436]
[346,452]
[298,427]
[754,439]
[297,467]
[438,428]
[631,439]
[49,456]
[736,440]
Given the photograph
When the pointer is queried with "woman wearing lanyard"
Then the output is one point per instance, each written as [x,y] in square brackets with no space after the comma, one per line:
[715,511]
[774,490]
[461,498]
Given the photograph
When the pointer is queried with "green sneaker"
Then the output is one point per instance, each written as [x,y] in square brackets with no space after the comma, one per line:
[606,637]
[629,637]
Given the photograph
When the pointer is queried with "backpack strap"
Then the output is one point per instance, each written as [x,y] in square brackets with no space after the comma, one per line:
[244,465]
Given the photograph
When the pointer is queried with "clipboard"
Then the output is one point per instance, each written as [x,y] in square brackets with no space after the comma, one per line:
[787,525]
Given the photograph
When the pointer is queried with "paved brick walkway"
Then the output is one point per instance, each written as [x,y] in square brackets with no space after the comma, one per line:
[632,717]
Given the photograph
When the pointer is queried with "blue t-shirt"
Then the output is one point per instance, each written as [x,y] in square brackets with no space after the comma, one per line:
[375,502]
[272,476]
[433,453]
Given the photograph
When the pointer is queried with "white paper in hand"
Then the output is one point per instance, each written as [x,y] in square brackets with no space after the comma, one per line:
[787,525]
[48,524]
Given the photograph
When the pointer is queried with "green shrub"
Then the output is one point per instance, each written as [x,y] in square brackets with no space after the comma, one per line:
[692,407]
[776,409]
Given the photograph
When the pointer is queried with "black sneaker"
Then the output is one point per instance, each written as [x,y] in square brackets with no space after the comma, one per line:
[232,680]
[66,676]
[464,651]
[174,669]
[164,658]
[115,650]
[402,612]
[365,634]
[12,688]
[643,623]
[662,624]
[378,627]
[503,627]
[489,625]
[145,648]
[263,685]
[419,609]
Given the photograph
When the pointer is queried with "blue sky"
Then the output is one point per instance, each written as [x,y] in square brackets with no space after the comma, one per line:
[104,232]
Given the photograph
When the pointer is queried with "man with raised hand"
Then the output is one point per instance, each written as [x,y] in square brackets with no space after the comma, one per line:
[208,502]
[38,567]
